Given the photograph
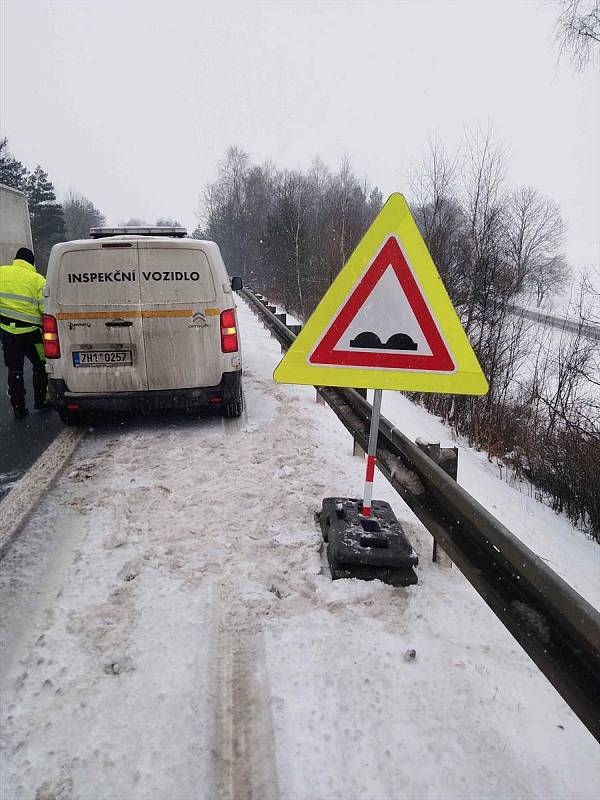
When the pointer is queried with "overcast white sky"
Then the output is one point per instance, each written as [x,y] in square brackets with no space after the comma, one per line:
[134,103]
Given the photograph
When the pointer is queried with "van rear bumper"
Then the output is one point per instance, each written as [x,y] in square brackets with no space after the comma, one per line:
[227,391]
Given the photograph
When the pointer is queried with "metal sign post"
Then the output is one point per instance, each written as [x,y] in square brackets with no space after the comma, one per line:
[372,454]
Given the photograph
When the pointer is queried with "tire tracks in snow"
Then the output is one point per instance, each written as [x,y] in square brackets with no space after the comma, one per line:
[245,745]
[261,579]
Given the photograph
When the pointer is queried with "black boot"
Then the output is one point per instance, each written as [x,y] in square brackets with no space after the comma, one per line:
[16,393]
[40,389]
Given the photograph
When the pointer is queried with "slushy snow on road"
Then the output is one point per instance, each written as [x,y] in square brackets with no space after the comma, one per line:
[170,630]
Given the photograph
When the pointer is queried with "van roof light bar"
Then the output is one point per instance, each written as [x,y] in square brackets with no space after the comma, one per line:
[139,230]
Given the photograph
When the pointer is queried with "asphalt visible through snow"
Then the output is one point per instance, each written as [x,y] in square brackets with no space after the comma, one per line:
[24,441]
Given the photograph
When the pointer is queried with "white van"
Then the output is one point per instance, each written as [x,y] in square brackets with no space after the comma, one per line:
[140,322]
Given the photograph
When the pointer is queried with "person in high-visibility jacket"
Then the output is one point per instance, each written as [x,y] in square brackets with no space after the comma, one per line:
[21,306]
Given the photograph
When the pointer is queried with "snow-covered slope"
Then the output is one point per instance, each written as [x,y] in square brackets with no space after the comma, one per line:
[170,631]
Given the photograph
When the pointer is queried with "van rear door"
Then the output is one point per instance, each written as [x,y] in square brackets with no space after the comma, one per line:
[100,318]
[181,323]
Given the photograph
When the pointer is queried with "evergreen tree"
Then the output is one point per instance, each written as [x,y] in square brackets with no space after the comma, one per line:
[12,172]
[47,219]
[375,203]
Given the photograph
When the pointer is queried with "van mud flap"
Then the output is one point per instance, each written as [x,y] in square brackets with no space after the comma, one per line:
[368,548]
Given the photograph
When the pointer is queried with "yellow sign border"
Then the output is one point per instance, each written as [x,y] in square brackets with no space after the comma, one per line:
[396,219]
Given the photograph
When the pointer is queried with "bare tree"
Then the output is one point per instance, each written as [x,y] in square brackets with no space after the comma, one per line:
[552,279]
[438,214]
[80,215]
[134,222]
[534,236]
[226,218]
[319,180]
[592,292]
[167,222]
[483,173]
[577,31]
[345,182]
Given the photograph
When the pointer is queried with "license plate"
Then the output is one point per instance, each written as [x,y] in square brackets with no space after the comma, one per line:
[102,358]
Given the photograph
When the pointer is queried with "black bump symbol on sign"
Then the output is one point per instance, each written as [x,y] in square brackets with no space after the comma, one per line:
[398,341]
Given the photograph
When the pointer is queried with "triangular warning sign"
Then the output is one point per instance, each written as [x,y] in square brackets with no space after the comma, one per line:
[398,303]
[386,322]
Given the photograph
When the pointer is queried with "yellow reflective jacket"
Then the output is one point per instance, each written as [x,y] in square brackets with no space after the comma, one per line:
[21,297]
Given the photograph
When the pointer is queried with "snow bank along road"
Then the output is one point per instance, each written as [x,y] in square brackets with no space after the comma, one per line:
[22,443]
[170,631]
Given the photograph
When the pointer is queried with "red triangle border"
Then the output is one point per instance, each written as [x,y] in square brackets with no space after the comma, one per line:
[440,359]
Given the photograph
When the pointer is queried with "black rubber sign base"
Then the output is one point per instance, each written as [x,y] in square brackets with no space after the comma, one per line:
[368,548]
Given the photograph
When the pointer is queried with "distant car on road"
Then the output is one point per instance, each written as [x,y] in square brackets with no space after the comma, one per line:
[141,319]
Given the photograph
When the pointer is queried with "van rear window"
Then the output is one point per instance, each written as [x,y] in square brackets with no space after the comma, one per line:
[96,277]
[175,275]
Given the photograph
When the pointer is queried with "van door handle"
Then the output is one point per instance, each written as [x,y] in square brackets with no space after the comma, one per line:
[119,323]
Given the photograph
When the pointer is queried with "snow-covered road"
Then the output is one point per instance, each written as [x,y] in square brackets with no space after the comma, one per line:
[170,632]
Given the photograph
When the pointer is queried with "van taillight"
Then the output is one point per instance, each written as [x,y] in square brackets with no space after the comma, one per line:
[229,337]
[50,336]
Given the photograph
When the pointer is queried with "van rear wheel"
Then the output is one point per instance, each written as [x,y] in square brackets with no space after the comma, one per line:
[70,417]
[234,409]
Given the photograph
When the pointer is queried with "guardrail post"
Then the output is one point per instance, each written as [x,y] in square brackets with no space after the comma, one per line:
[447,459]
[282,317]
[318,398]
[356,448]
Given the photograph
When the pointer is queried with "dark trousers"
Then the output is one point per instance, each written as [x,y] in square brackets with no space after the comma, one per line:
[16,348]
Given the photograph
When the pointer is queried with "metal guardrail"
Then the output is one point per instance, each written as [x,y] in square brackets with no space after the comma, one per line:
[557,628]
[588,329]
